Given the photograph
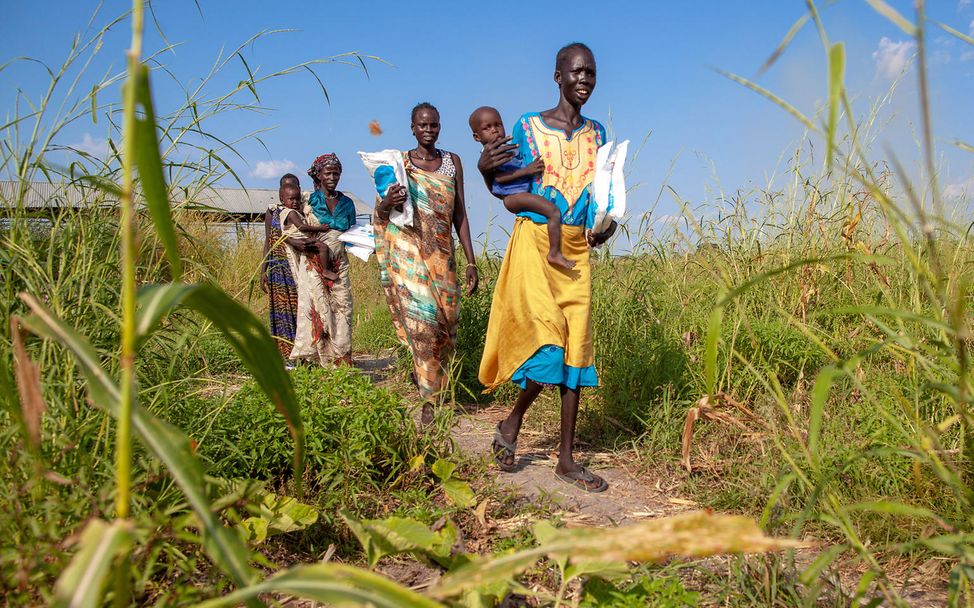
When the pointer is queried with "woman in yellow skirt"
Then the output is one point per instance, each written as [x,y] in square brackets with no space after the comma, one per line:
[540,328]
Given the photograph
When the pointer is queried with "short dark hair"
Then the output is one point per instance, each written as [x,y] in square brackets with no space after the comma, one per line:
[564,51]
[287,177]
[285,186]
[423,105]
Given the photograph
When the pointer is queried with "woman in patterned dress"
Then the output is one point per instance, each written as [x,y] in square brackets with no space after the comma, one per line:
[276,279]
[417,265]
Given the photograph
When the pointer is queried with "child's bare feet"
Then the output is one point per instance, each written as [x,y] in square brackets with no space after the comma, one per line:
[557,259]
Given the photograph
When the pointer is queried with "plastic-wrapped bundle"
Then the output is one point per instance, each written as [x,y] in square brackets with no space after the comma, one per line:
[609,185]
[387,168]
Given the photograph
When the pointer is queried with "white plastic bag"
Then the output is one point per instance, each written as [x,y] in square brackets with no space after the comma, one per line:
[359,241]
[609,185]
[391,158]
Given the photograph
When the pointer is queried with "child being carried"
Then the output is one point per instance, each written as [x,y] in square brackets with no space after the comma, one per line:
[512,180]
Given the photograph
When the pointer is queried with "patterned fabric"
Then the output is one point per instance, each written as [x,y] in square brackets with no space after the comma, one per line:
[282,292]
[569,166]
[315,328]
[341,219]
[418,273]
[447,167]
[522,347]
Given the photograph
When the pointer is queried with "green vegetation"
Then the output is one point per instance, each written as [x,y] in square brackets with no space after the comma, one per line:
[157,453]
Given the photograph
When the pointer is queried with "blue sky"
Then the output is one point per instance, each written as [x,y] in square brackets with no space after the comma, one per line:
[655,77]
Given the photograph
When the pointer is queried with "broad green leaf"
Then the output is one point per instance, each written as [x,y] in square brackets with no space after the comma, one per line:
[820,395]
[331,583]
[247,335]
[278,515]
[255,529]
[781,103]
[165,441]
[710,352]
[836,86]
[395,535]
[459,492]
[149,163]
[81,583]
[443,469]
[893,15]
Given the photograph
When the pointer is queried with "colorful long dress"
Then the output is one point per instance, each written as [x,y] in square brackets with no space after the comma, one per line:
[282,292]
[339,293]
[540,325]
[418,273]
[315,322]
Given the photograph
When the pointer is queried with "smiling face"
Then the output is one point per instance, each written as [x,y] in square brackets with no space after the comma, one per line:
[426,126]
[575,75]
[329,175]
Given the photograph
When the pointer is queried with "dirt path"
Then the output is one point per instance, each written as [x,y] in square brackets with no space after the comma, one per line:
[631,496]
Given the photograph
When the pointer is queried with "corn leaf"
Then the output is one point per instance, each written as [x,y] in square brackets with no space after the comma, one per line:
[246,334]
[332,583]
[149,163]
[165,441]
[82,582]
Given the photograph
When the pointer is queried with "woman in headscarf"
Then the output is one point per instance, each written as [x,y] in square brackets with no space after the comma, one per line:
[417,265]
[330,213]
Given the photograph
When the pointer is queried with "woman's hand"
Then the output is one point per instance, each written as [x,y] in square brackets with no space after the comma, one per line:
[264,284]
[394,199]
[594,240]
[310,246]
[496,154]
[472,279]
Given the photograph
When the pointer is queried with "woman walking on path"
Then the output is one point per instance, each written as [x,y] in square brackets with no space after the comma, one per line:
[417,266]
[540,328]
[334,213]
[276,279]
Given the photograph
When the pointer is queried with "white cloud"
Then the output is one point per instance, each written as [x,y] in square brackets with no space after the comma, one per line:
[962,4]
[271,169]
[960,190]
[893,57]
[92,145]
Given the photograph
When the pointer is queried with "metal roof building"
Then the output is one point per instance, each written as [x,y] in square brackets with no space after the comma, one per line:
[240,204]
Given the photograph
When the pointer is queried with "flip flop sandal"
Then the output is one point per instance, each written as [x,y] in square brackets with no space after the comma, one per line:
[502,449]
[582,479]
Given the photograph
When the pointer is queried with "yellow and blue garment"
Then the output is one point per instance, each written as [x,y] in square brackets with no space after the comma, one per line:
[341,219]
[540,321]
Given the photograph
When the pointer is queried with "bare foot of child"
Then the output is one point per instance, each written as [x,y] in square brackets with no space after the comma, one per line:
[557,259]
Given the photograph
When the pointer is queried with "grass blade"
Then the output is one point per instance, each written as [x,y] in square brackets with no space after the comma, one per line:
[893,15]
[81,583]
[953,32]
[820,394]
[836,79]
[710,352]
[781,103]
[149,163]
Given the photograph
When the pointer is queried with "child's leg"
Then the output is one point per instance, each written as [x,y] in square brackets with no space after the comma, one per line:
[524,201]
[324,256]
